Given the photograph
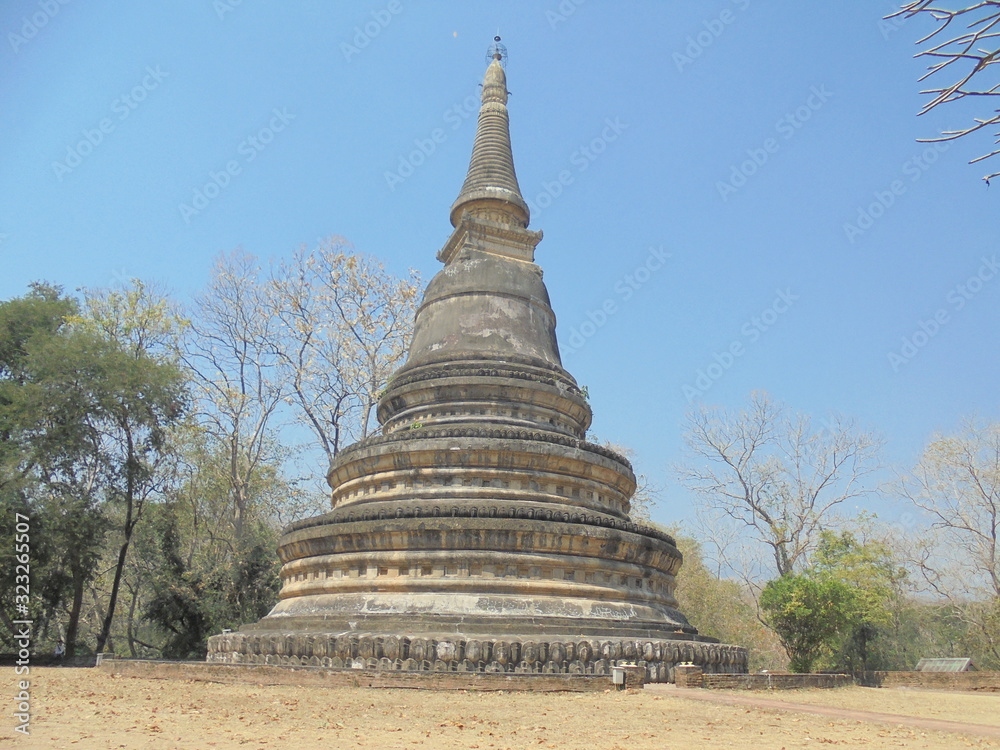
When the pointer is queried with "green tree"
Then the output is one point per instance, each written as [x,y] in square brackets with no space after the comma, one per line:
[49,459]
[871,570]
[138,400]
[177,595]
[809,614]
[85,403]
[204,577]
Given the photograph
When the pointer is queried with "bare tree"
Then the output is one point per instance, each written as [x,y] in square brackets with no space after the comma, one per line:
[964,57]
[957,484]
[313,339]
[343,326]
[774,476]
[231,350]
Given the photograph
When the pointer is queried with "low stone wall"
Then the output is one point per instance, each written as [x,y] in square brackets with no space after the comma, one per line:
[987,681]
[774,681]
[354,678]
[391,653]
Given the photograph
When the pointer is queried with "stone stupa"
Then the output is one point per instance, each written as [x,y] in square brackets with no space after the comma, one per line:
[480,531]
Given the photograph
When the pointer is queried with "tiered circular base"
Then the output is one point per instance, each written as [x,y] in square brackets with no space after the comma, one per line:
[478,547]
[498,587]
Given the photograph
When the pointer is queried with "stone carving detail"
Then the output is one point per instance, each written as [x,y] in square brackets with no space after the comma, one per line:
[396,653]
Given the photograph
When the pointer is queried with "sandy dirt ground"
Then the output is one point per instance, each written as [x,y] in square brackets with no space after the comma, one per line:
[80,708]
[975,708]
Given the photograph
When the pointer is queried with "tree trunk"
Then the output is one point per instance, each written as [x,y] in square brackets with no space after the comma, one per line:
[131,518]
[102,639]
[73,627]
[130,625]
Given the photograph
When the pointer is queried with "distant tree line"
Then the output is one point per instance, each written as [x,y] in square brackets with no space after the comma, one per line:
[840,590]
[155,447]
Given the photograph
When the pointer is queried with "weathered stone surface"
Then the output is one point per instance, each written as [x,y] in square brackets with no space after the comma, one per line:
[479,530]
[688,675]
[528,656]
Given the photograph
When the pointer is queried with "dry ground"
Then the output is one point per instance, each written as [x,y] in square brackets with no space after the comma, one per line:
[975,708]
[79,708]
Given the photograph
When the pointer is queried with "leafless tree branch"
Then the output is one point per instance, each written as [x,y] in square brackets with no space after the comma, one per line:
[966,56]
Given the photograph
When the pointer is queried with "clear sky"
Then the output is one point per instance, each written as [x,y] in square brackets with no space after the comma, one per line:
[731,191]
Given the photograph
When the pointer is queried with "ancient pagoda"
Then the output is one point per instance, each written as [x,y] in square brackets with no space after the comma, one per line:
[479,530]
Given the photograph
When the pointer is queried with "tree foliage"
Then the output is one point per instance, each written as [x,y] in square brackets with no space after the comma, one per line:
[50,466]
[85,407]
[143,399]
[808,613]
[877,581]
[193,595]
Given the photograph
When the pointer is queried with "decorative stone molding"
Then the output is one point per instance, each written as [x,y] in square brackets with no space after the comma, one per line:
[445,510]
[659,659]
[489,433]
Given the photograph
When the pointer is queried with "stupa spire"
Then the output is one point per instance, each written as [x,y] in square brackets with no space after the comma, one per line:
[491,184]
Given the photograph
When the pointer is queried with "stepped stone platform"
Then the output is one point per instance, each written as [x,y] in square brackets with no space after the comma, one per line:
[480,531]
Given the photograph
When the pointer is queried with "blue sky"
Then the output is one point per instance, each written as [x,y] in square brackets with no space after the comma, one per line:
[731,192]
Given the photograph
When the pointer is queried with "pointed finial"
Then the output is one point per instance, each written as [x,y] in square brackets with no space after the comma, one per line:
[497,51]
